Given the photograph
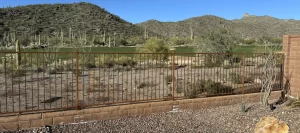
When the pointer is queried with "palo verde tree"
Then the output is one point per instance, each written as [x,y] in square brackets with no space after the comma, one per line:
[220,41]
[155,45]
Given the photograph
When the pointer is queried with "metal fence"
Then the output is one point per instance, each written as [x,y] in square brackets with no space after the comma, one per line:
[38,81]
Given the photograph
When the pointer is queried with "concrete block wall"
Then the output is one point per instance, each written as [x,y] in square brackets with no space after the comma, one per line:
[27,121]
[291,48]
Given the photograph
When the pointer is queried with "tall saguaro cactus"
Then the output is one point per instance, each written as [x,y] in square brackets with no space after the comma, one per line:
[109,41]
[115,39]
[192,34]
[18,55]
[62,37]
[70,35]
[146,34]
[104,37]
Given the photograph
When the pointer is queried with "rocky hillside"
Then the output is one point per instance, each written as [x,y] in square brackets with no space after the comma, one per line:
[51,19]
[79,19]
[248,26]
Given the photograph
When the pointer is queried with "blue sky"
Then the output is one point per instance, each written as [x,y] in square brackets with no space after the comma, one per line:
[136,11]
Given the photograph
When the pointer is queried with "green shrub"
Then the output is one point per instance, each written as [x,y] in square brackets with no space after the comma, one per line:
[125,61]
[293,103]
[208,86]
[243,108]
[122,42]
[136,40]
[190,91]
[154,45]
[90,65]
[179,41]
[105,61]
[213,61]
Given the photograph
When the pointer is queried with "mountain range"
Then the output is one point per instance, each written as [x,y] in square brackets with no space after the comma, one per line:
[51,19]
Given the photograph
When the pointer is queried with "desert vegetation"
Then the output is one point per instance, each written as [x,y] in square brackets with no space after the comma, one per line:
[111,61]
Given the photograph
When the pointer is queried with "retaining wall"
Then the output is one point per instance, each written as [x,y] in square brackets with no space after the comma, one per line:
[27,121]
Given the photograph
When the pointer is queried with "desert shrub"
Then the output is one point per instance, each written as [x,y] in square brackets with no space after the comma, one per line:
[125,61]
[24,41]
[231,66]
[104,61]
[179,41]
[234,60]
[179,88]
[136,40]
[122,68]
[154,45]
[168,78]
[144,84]
[293,103]
[90,65]
[231,62]
[190,91]
[249,41]
[213,60]
[122,42]
[15,73]
[235,78]
[52,70]
[208,86]
[218,41]
[195,66]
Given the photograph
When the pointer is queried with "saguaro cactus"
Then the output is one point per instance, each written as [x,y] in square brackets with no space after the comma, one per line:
[18,55]
[146,34]
[109,41]
[115,39]
[192,34]
[104,37]
[62,37]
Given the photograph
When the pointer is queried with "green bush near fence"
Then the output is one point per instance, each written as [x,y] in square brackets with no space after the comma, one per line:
[209,87]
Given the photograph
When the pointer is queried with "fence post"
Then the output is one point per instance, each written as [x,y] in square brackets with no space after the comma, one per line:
[243,76]
[77,84]
[173,71]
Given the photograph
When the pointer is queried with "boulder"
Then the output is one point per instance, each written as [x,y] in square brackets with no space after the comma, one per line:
[271,125]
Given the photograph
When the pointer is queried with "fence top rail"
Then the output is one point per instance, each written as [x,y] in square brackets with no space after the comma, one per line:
[206,53]
[40,52]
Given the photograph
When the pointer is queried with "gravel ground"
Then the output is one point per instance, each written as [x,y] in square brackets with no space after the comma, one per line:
[225,119]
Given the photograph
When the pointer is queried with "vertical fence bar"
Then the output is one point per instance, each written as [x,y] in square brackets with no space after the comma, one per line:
[37,76]
[5,82]
[77,80]
[173,71]
[243,77]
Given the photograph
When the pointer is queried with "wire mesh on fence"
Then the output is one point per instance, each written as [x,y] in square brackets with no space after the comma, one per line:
[56,80]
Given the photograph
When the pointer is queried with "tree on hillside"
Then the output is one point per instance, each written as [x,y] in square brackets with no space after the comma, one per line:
[216,42]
